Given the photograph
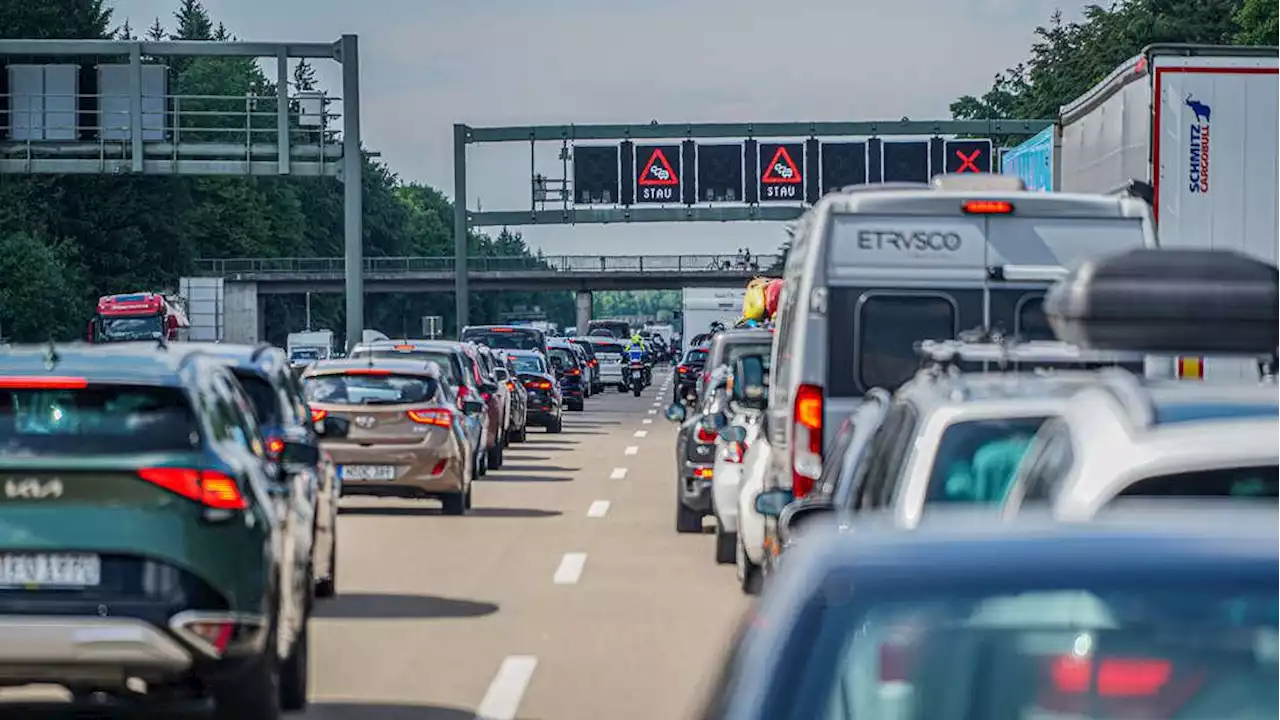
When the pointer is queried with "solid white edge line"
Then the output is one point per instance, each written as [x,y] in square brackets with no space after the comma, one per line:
[570,568]
[598,509]
[502,699]
[618,474]
[631,450]
[641,433]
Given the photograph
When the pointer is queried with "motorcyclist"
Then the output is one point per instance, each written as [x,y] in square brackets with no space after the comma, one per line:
[637,351]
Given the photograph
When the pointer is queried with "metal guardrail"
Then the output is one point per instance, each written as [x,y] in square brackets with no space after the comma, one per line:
[551,264]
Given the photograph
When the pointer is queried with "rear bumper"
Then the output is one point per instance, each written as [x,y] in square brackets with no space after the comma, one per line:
[414,466]
[695,492]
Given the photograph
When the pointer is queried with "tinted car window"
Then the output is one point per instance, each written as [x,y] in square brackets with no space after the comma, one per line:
[513,339]
[889,326]
[568,357]
[1031,323]
[977,459]
[370,389]
[695,357]
[609,348]
[834,463]
[740,350]
[528,364]
[266,404]
[443,359]
[98,419]
[1244,482]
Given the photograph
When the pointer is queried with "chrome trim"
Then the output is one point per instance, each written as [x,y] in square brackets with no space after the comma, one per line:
[178,624]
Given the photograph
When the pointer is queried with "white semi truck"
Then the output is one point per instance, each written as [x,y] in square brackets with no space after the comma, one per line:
[1193,130]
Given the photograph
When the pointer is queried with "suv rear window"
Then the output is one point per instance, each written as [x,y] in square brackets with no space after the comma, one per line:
[507,339]
[696,357]
[443,359]
[266,404]
[609,348]
[977,459]
[527,364]
[370,389]
[889,327]
[740,350]
[97,419]
[1259,481]
[567,356]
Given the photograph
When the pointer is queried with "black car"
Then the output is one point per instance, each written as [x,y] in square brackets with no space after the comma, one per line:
[283,415]
[1168,614]
[145,533]
[518,422]
[597,385]
[571,372]
[696,452]
[545,402]
[685,388]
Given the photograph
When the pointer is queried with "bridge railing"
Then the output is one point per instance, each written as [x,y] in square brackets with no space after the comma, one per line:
[588,264]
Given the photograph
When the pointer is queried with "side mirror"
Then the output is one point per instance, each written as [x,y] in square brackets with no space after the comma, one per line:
[676,413]
[770,503]
[472,407]
[501,374]
[300,454]
[733,433]
[331,428]
[797,516]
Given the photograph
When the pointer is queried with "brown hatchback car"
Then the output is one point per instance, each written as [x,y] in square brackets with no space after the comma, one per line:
[404,429]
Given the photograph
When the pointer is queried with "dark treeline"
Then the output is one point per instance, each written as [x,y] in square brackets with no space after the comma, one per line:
[65,240]
[1069,58]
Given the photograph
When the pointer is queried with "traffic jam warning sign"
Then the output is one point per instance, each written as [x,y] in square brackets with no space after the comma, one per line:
[658,180]
[780,175]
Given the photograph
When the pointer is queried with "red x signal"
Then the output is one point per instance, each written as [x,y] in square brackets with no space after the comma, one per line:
[967,161]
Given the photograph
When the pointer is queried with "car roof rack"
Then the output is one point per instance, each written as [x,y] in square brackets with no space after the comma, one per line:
[993,347]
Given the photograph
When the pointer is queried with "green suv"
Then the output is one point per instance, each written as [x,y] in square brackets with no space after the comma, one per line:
[146,540]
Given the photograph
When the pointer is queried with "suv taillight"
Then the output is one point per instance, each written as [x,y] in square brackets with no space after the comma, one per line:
[207,487]
[806,441]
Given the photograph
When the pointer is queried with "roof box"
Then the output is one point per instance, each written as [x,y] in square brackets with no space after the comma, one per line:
[1211,302]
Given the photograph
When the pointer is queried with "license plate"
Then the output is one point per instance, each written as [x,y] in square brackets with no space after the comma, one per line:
[368,472]
[50,570]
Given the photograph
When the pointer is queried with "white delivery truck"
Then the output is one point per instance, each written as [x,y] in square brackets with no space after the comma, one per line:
[305,348]
[1193,130]
[703,306]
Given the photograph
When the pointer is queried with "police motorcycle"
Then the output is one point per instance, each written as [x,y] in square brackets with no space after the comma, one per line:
[633,370]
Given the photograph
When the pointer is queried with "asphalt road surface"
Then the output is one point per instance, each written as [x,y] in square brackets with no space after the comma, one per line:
[565,594]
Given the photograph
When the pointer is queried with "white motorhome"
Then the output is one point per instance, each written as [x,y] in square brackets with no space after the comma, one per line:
[1195,127]
[704,306]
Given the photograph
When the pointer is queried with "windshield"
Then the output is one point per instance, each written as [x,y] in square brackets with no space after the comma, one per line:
[266,404]
[696,357]
[513,339]
[118,329]
[1242,482]
[567,357]
[98,419]
[527,364]
[977,459]
[370,389]
[304,354]
[736,351]
[1199,653]
[443,359]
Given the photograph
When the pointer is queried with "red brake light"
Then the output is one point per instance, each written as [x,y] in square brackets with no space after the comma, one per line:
[275,447]
[485,396]
[682,369]
[501,330]
[510,386]
[988,207]
[367,371]
[703,473]
[403,348]
[574,371]
[318,415]
[538,384]
[207,487]
[43,383]
[806,447]
[433,416]
[1117,677]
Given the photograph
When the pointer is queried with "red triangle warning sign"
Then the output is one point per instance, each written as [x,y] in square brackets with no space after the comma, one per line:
[781,170]
[658,171]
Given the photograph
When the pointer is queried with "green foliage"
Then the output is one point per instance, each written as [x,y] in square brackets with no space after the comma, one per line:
[1069,58]
[65,240]
[1258,22]
[626,303]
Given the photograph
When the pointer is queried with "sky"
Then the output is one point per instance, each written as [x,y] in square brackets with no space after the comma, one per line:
[427,64]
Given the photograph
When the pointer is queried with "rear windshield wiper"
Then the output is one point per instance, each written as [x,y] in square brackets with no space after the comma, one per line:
[375,401]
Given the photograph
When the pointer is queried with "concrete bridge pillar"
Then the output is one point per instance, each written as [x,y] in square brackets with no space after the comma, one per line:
[584,300]
[243,321]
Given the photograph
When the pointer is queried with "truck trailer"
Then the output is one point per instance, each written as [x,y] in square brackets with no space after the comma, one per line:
[1192,129]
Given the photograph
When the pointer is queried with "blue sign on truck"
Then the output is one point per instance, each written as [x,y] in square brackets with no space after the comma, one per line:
[1032,161]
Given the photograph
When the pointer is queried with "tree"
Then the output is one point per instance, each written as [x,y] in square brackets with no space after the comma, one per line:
[193,21]
[304,76]
[156,33]
[1258,23]
[54,19]
[40,295]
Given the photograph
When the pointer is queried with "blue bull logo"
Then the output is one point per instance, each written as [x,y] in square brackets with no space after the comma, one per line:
[1198,142]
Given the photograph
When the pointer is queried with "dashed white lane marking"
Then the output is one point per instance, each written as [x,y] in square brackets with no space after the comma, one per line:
[502,700]
[570,568]
[618,474]
[646,421]
[631,450]
[641,433]
[598,509]
[653,412]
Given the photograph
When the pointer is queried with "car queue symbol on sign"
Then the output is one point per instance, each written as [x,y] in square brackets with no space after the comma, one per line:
[781,178]
[658,180]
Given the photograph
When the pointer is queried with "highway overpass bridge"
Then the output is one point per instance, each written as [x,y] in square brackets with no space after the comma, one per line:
[245,280]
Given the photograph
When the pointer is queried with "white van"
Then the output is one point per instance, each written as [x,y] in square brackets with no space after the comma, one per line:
[874,270]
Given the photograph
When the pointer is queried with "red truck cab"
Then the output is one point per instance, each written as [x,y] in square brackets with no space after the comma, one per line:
[137,316]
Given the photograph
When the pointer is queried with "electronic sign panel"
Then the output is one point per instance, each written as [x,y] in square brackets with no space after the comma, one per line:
[658,173]
[720,173]
[781,172]
[905,161]
[843,164]
[595,174]
[971,156]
